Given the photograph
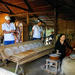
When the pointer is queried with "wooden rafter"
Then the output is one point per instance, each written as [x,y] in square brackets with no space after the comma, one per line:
[43,7]
[13,5]
[31,13]
[11,12]
[4,12]
[28,5]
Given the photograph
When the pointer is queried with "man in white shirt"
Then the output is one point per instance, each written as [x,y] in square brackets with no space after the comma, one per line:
[37,31]
[8,29]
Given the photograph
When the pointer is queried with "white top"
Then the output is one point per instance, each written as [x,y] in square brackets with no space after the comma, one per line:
[8,27]
[37,31]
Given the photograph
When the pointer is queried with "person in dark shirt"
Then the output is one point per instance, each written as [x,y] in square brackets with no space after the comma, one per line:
[62,45]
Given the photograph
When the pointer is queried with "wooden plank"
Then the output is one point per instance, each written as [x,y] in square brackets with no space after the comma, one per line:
[36,56]
[23,54]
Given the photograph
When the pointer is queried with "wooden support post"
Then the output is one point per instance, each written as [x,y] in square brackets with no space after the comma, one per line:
[27,18]
[56,22]
[27,26]
[25,29]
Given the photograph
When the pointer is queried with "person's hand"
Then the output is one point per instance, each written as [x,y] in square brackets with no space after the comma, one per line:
[12,31]
[6,32]
[42,39]
[73,48]
[57,51]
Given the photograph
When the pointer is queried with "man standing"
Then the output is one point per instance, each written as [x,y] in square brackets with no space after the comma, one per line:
[37,31]
[8,29]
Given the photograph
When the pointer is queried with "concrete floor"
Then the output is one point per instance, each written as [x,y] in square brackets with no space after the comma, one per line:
[32,68]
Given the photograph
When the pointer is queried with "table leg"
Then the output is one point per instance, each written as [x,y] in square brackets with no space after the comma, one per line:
[17,65]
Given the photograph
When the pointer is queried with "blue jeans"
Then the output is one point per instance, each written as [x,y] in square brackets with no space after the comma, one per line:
[9,42]
[36,38]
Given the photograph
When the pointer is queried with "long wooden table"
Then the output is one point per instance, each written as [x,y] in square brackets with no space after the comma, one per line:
[27,56]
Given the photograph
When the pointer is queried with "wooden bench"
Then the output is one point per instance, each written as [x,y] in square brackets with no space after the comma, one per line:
[24,52]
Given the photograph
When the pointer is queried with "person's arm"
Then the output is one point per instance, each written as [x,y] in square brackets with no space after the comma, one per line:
[73,48]
[33,30]
[6,32]
[4,29]
[12,31]
[68,45]
[56,46]
[42,35]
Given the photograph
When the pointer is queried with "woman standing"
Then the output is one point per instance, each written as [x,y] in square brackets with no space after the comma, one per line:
[18,32]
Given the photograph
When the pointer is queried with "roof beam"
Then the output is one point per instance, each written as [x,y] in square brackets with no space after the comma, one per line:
[13,5]
[11,12]
[28,5]
[31,13]
[4,12]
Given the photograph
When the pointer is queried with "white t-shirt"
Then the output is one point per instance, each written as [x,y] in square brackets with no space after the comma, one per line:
[37,31]
[8,36]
